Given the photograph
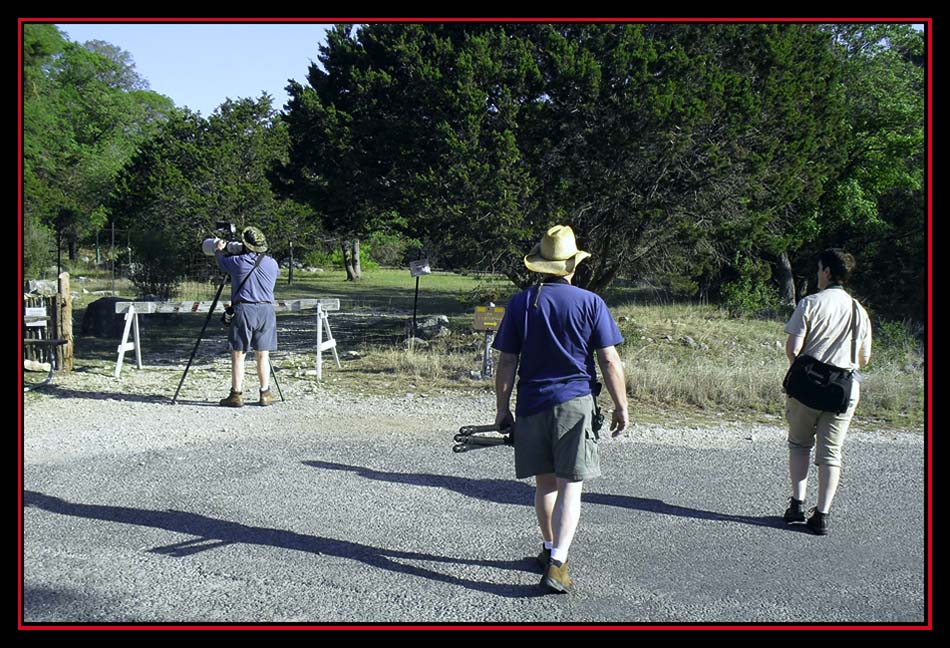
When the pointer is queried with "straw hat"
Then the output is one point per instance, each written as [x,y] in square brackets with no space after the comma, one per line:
[556,254]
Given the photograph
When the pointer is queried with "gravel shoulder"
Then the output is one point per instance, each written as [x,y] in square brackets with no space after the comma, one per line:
[135,411]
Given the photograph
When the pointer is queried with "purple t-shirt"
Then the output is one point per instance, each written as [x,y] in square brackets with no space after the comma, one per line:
[555,328]
[260,286]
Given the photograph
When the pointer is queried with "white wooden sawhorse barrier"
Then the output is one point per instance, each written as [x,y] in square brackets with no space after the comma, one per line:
[133,309]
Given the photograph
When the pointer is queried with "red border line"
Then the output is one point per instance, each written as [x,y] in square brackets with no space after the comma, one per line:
[928,623]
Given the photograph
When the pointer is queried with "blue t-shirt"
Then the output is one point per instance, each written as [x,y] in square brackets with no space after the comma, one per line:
[260,286]
[555,328]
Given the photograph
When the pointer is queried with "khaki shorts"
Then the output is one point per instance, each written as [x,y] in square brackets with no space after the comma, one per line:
[805,425]
[559,440]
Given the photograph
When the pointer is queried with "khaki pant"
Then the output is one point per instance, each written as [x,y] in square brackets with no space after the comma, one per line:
[806,424]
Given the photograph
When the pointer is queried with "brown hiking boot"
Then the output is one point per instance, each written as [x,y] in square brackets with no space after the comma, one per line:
[556,578]
[234,400]
[267,398]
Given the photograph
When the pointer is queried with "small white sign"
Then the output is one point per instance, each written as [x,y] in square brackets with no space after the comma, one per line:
[419,268]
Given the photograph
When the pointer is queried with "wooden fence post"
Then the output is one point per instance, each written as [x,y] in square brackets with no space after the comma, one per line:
[65,321]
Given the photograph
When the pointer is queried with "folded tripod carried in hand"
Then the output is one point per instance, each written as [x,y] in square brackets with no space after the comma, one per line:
[472,437]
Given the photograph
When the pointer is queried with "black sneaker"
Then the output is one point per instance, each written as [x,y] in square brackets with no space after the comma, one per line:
[818,522]
[544,557]
[794,512]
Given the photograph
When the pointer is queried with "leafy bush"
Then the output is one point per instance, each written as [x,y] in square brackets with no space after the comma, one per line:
[328,258]
[386,249]
[37,241]
[898,343]
[751,292]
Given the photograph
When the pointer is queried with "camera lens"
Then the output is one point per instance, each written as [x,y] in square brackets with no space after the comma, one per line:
[209,246]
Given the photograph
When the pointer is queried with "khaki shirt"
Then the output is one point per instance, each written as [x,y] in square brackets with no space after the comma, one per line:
[824,320]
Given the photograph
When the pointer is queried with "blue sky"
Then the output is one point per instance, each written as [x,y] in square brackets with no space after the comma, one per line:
[200,65]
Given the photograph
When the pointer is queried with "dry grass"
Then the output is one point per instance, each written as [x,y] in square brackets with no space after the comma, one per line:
[687,359]
[737,365]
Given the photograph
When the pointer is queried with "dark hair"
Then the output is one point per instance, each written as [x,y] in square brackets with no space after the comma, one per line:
[840,263]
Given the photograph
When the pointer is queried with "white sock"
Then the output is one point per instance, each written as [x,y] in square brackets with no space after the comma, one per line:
[548,545]
[559,554]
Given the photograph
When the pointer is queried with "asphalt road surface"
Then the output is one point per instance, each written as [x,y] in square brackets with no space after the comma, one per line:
[326,509]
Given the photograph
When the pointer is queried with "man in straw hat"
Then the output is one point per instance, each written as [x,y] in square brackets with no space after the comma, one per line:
[549,335]
[254,325]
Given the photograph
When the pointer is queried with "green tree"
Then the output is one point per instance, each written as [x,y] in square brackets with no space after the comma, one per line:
[480,136]
[163,199]
[409,128]
[41,43]
[84,112]
[876,204]
[785,141]
[705,152]
[199,171]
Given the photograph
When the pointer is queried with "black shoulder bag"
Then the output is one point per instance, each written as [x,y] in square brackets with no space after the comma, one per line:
[820,385]
[228,313]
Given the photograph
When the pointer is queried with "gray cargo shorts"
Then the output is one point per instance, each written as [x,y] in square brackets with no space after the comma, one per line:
[254,327]
[559,440]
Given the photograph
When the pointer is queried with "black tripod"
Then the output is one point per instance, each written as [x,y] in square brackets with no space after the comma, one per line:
[214,303]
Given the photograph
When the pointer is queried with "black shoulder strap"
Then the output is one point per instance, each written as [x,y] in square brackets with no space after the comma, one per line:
[854,331]
[257,262]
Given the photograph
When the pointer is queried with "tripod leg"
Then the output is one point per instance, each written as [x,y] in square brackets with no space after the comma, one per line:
[200,335]
[273,375]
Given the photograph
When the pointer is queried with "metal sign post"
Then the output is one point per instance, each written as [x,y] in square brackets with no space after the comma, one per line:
[487,318]
[417,269]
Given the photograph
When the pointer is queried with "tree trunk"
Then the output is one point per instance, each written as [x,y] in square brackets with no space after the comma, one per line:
[64,307]
[355,254]
[347,261]
[290,268]
[601,278]
[786,280]
[351,259]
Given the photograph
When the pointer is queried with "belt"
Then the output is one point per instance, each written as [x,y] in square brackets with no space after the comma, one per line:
[241,301]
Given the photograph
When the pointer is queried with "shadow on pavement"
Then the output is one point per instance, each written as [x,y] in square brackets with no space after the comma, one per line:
[506,491]
[214,533]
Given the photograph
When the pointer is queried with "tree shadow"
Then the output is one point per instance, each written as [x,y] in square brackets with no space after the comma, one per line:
[659,506]
[506,491]
[499,491]
[158,399]
[62,392]
[213,533]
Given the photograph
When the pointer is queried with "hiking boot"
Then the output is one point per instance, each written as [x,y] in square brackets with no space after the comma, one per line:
[818,522]
[234,400]
[544,557]
[556,578]
[794,512]
[267,398]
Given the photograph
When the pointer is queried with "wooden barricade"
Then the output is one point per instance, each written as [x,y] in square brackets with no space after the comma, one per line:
[133,309]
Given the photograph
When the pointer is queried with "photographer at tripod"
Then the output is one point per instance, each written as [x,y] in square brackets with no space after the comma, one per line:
[254,323]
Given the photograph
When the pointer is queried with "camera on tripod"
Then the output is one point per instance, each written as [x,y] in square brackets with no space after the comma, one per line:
[224,231]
